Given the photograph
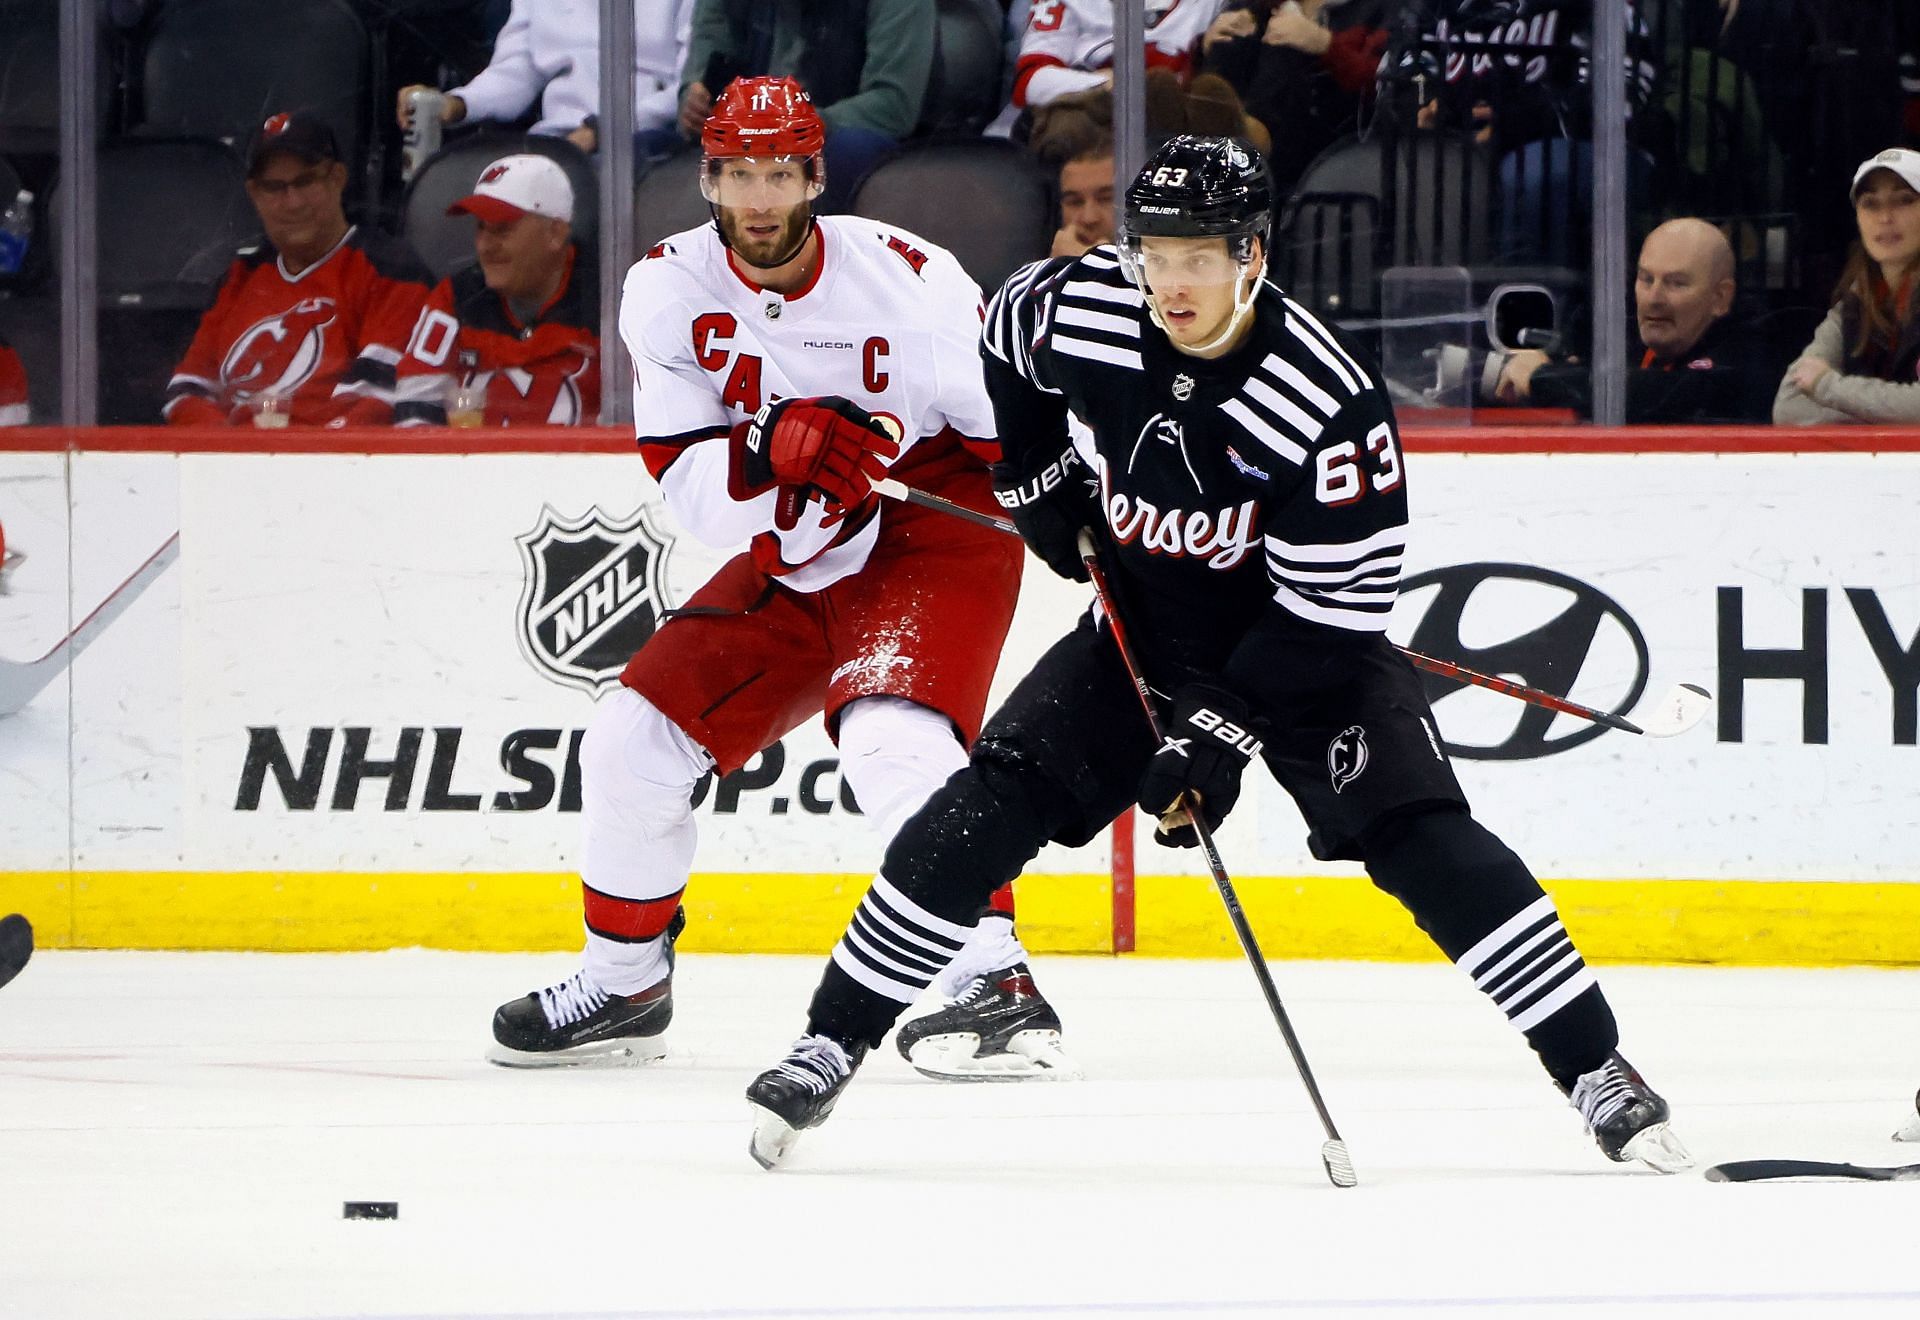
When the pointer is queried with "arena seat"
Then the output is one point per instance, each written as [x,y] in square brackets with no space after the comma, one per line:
[982,199]
[218,68]
[1329,245]
[30,77]
[963,88]
[172,215]
[445,242]
[667,199]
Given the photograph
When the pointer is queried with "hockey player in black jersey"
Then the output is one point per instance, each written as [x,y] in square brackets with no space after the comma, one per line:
[1240,465]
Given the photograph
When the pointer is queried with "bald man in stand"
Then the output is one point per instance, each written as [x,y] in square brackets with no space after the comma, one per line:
[1693,363]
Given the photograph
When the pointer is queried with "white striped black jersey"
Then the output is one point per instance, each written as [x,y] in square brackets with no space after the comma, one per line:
[1256,500]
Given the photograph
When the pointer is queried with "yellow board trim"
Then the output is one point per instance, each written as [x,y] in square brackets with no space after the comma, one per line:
[1662,921]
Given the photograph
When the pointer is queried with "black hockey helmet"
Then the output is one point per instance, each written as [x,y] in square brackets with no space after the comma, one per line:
[1202,187]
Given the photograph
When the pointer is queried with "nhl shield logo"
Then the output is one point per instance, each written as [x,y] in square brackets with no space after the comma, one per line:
[1347,756]
[1183,387]
[594,590]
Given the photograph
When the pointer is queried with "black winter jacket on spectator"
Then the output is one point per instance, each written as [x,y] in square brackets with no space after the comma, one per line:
[1728,376]
[1527,59]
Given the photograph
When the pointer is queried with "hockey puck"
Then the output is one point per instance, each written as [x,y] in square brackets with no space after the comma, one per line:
[370,1210]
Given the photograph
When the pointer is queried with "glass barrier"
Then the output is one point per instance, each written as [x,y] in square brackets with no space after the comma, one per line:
[1410,140]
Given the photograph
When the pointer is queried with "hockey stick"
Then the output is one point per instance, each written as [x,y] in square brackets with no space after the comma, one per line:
[22,681]
[1761,1170]
[1678,709]
[1333,1151]
[16,945]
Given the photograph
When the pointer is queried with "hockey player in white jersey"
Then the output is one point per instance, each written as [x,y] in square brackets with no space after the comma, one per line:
[781,364]
[1067,46]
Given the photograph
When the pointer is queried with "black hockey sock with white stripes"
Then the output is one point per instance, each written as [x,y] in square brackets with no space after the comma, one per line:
[974,835]
[891,951]
[1478,901]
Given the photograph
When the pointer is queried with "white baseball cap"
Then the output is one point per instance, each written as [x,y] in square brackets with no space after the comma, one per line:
[1904,163]
[514,186]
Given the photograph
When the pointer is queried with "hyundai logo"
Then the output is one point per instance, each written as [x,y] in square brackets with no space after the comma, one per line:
[1545,629]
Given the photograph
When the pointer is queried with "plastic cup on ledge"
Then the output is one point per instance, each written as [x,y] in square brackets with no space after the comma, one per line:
[467,406]
[271,410]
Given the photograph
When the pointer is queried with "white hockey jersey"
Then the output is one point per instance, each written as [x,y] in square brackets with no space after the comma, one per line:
[890,321]
[1068,42]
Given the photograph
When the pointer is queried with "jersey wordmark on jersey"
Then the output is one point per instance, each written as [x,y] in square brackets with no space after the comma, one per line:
[1268,478]
[328,338]
[1067,39]
[540,372]
[889,321]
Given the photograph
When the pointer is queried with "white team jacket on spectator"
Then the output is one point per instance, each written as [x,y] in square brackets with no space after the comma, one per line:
[891,322]
[551,49]
[1068,43]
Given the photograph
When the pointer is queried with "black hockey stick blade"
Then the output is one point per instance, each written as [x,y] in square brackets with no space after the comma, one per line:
[1761,1170]
[16,945]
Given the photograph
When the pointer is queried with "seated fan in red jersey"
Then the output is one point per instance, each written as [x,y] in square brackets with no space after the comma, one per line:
[512,339]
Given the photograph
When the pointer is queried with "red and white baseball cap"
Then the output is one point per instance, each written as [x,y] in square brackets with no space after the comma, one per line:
[514,186]
[1904,164]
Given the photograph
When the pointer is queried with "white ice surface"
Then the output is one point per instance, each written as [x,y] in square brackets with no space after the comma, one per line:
[178,1132]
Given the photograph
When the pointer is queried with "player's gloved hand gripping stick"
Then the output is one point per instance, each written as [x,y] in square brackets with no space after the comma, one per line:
[1333,1151]
[1210,737]
[827,445]
[1040,503]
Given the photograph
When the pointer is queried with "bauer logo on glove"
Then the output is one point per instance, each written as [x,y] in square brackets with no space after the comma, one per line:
[826,446]
[1210,738]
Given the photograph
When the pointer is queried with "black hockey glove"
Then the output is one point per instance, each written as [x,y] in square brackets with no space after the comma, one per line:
[1050,508]
[1210,738]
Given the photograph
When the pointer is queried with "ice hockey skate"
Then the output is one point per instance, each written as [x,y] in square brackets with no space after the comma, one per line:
[577,1023]
[1911,1130]
[1627,1117]
[797,1093]
[999,1028]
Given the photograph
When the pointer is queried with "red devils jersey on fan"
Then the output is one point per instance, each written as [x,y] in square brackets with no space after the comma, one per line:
[328,338]
[543,372]
[890,321]
[13,387]
[1068,42]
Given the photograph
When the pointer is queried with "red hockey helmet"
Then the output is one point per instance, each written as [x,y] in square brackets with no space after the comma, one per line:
[763,145]
[763,117]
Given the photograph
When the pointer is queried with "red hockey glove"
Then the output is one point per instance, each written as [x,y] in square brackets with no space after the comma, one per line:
[1210,737]
[828,445]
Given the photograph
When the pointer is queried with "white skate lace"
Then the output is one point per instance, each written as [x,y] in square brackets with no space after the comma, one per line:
[975,988]
[571,1000]
[817,1062]
[1602,1093]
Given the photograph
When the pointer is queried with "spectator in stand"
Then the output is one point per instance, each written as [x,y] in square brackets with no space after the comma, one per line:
[514,337]
[1697,362]
[309,323]
[1304,68]
[865,63]
[1086,196]
[13,387]
[1517,74]
[1864,362]
[1068,45]
[550,50]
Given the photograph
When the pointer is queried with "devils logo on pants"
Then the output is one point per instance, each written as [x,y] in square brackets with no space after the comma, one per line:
[278,353]
[1347,756]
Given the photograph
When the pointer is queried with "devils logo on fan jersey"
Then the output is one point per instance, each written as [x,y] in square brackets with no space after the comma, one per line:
[553,393]
[279,353]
